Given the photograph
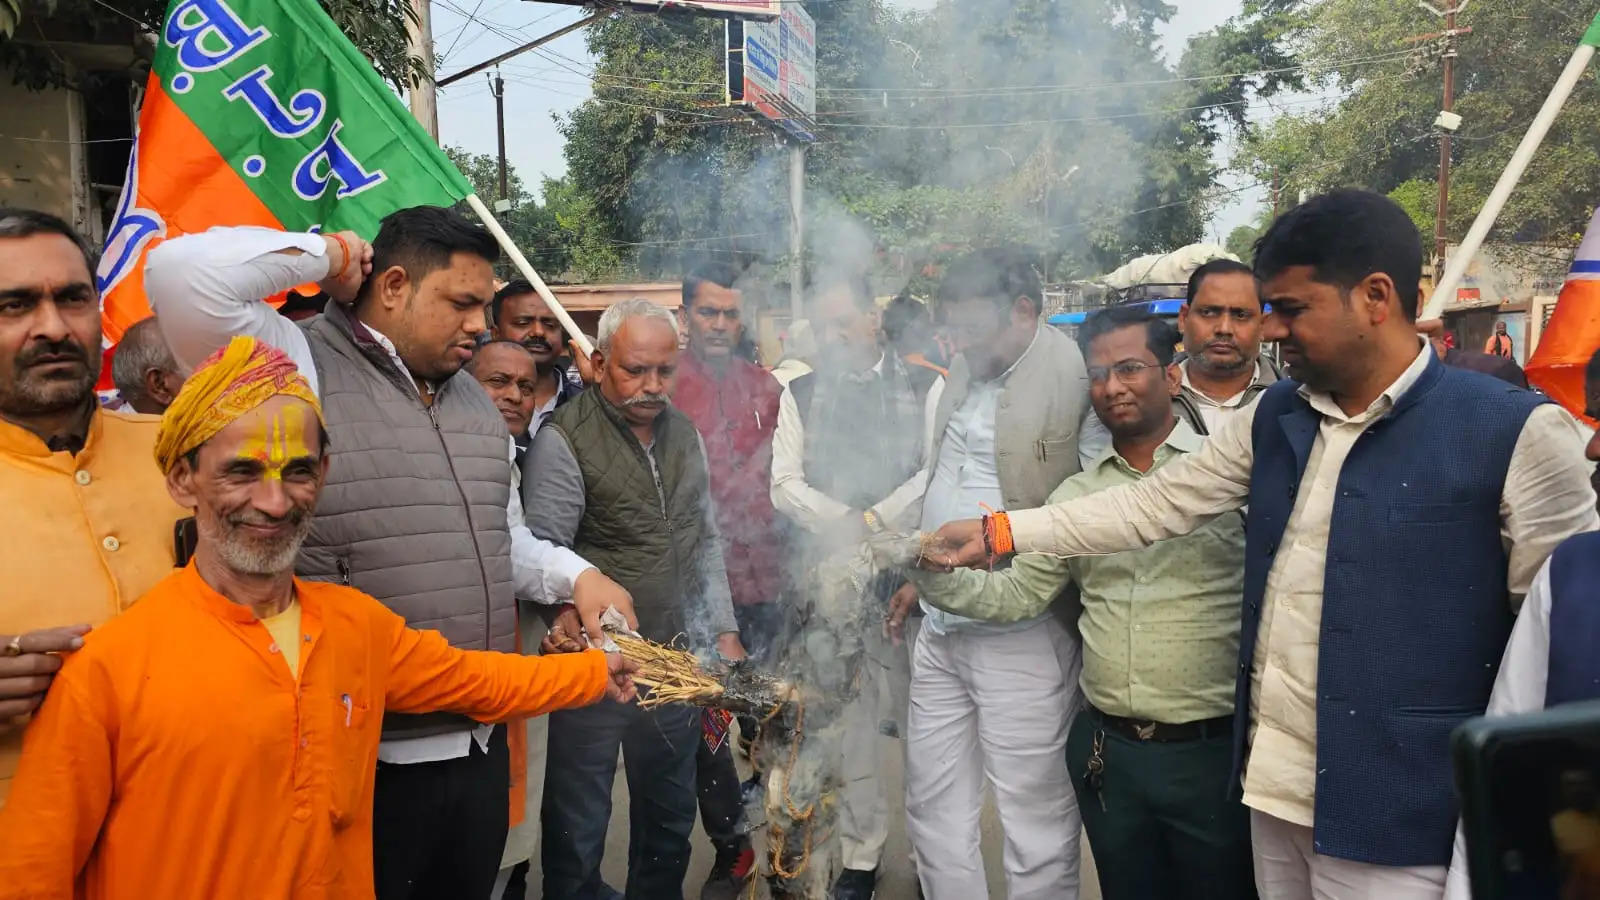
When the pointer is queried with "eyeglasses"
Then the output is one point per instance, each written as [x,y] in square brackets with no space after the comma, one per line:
[1126,371]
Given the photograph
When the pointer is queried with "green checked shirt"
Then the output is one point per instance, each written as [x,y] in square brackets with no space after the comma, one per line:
[1160,626]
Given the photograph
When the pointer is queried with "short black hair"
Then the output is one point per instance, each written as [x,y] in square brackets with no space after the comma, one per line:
[1160,337]
[514,288]
[1221,266]
[998,274]
[1344,236]
[16,222]
[901,314]
[718,273]
[422,239]
[1591,372]
[857,284]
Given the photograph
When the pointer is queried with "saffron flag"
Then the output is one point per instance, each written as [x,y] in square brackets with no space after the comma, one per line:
[1573,333]
[260,112]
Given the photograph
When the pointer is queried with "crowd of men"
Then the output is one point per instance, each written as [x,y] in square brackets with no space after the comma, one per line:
[1221,617]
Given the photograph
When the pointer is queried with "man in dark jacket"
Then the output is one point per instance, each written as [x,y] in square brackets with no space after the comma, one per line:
[620,476]
[521,315]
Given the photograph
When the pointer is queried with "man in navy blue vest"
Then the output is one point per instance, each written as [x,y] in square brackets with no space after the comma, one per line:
[1386,550]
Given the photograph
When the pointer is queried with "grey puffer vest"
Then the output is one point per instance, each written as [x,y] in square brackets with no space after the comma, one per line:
[414,509]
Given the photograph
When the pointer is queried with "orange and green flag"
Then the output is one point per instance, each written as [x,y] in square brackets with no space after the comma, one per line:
[260,112]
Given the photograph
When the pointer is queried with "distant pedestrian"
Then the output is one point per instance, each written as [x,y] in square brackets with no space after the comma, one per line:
[1499,343]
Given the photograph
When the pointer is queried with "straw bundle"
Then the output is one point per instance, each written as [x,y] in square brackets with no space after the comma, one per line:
[672,675]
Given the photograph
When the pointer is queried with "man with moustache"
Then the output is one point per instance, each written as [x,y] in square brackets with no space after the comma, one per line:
[99,524]
[417,511]
[620,475]
[1223,371]
[261,770]
[521,315]
[1149,755]
[1373,519]
[733,403]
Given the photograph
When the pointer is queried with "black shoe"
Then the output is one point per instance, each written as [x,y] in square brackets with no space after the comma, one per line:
[731,873]
[856,884]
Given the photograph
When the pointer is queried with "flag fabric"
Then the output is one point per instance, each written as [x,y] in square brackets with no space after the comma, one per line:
[1573,332]
[260,112]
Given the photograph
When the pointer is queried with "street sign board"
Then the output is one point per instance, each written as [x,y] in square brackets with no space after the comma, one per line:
[772,70]
[753,9]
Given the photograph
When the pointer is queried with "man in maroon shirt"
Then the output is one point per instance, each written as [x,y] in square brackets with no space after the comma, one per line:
[734,404]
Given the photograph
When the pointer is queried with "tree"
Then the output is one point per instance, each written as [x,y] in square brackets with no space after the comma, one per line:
[376,27]
[1380,135]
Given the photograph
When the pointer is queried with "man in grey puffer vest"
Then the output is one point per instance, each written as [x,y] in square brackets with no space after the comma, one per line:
[620,475]
[416,509]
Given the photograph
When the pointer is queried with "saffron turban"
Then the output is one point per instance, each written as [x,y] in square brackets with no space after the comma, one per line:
[230,383]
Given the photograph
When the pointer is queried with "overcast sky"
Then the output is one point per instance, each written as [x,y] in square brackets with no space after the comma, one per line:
[555,78]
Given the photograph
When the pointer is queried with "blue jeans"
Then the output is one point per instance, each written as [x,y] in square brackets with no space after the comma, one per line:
[658,752]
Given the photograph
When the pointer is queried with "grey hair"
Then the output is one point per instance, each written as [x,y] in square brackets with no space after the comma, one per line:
[141,349]
[637,308]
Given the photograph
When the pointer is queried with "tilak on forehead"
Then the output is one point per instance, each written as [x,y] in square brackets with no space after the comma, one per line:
[230,383]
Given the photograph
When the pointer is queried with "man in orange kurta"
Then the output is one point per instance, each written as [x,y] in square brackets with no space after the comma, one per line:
[94,524]
[219,739]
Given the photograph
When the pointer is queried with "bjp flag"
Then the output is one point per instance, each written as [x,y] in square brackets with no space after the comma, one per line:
[1573,333]
[260,112]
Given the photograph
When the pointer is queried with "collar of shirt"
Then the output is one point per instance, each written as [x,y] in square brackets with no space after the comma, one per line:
[388,347]
[1034,342]
[1182,439]
[1324,403]
[20,441]
[1201,396]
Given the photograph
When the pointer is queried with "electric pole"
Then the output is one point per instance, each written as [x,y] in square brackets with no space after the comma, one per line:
[498,87]
[797,190]
[1447,122]
[419,40]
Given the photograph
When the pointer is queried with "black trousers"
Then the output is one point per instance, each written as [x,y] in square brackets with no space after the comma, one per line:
[1168,827]
[438,828]
[721,795]
[658,752]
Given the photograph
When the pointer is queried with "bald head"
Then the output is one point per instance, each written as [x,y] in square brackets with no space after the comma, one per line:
[144,370]
[509,373]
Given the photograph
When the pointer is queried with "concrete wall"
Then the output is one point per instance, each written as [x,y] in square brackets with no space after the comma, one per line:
[40,166]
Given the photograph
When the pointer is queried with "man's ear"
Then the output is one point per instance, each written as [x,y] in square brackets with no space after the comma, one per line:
[1378,292]
[180,484]
[1174,375]
[390,288]
[155,386]
[1025,310]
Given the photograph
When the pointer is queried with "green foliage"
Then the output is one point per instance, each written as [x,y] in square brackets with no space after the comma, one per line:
[1420,199]
[1050,124]
[1380,136]
[376,27]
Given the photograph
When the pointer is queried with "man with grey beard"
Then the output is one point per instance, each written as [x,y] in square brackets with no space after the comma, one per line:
[619,475]
[260,769]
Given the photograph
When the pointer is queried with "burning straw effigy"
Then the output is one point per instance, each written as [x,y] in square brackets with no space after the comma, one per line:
[799,745]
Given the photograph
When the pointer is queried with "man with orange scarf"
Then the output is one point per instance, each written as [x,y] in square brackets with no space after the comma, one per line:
[235,711]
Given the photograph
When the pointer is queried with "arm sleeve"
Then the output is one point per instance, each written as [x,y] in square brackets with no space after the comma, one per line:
[810,508]
[543,572]
[206,288]
[1174,501]
[1547,496]
[426,674]
[718,596]
[62,790]
[552,489]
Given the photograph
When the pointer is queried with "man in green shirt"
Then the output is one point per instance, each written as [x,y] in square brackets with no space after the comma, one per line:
[1150,753]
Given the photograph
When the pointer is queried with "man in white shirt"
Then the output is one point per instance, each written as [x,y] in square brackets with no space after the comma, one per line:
[847,460]
[418,510]
[1386,551]
[1223,370]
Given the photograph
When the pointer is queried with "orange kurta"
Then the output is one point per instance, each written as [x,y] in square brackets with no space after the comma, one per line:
[177,757]
[90,533]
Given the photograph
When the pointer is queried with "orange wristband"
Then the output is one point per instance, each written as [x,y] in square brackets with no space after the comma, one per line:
[1003,544]
[344,251]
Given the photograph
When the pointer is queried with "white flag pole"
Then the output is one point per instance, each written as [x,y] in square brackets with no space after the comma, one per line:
[1445,287]
[527,271]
